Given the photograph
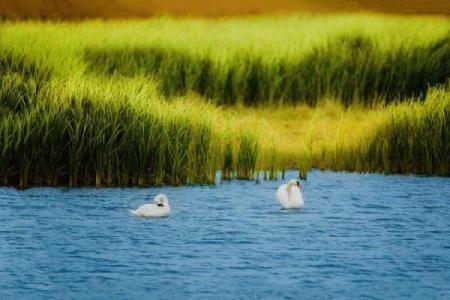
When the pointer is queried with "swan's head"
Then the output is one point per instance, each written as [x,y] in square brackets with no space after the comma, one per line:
[161,200]
[296,183]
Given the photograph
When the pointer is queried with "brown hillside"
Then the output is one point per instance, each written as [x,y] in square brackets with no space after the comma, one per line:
[75,9]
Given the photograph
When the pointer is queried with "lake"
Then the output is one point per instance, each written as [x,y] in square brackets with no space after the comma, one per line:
[359,236]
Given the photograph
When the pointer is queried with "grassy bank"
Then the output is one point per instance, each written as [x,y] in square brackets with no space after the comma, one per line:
[351,68]
[117,132]
[98,131]
[408,137]
[355,59]
[414,137]
[171,101]
[352,59]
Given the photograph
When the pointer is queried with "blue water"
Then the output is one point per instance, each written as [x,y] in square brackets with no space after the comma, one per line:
[359,236]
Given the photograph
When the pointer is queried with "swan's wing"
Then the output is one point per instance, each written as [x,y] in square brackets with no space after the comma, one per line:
[145,209]
[296,198]
[282,196]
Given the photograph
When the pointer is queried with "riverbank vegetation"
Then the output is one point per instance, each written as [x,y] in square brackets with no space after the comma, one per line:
[171,101]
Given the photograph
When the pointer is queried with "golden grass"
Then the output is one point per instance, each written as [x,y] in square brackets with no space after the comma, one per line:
[297,133]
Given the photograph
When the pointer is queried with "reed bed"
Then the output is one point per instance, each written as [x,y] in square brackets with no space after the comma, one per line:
[414,138]
[411,137]
[351,68]
[404,137]
[254,60]
[107,134]
[135,103]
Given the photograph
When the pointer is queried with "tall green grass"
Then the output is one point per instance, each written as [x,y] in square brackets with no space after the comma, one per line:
[93,132]
[96,103]
[104,132]
[246,162]
[259,60]
[410,137]
[20,81]
[414,138]
[351,68]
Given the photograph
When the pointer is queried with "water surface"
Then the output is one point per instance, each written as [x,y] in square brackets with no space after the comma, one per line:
[359,236]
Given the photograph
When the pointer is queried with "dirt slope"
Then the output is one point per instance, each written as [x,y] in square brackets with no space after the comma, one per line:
[75,9]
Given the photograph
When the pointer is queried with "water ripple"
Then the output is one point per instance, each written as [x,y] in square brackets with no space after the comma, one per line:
[357,235]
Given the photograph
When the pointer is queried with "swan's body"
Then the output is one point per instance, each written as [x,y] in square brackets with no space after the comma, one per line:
[290,195]
[158,209]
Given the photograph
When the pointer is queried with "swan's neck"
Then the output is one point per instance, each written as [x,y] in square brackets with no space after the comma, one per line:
[289,186]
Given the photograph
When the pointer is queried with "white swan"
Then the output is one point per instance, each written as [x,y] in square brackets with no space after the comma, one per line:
[290,196]
[158,209]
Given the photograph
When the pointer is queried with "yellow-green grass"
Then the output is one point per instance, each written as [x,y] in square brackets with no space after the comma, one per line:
[120,133]
[255,60]
[351,67]
[117,132]
[409,137]
[414,137]
[72,114]
[355,59]
[300,129]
